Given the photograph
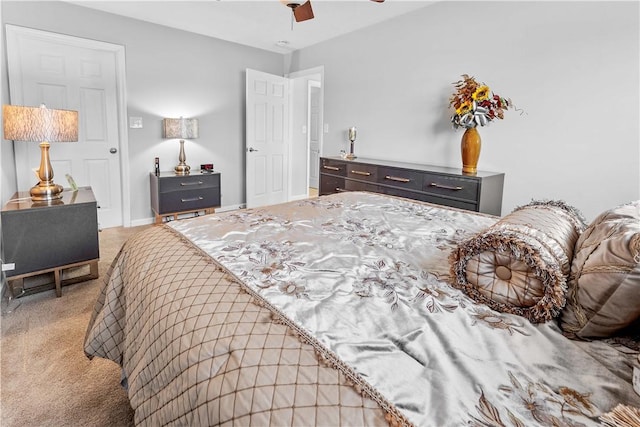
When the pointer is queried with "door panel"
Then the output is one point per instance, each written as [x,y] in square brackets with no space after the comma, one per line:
[266,144]
[65,72]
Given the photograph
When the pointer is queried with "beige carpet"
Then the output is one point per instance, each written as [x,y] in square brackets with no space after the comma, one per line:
[45,378]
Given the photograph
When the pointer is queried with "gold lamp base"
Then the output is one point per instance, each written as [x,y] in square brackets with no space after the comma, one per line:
[182,168]
[46,191]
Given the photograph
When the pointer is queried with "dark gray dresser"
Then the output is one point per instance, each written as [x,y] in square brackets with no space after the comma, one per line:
[50,237]
[173,194]
[481,192]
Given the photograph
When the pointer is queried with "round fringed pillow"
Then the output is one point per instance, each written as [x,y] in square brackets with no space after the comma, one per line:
[521,264]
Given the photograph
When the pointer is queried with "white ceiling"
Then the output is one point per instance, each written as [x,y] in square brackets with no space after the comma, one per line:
[265,24]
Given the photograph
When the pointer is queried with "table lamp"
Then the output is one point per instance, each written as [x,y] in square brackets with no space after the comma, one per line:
[44,125]
[184,129]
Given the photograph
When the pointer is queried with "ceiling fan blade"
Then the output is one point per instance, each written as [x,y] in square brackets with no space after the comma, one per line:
[378,1]
[303,12]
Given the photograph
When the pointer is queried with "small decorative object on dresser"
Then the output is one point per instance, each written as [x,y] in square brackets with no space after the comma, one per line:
[173,194]
[474,106]
[481,192]
[30,248]
[352,140]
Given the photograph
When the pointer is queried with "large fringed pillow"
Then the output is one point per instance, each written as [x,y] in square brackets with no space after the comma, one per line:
[604,286]
[520,264]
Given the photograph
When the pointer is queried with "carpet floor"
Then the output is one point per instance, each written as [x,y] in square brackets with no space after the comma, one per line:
[45,377]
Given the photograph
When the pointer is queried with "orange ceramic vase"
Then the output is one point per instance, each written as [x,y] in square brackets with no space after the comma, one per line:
[470,148]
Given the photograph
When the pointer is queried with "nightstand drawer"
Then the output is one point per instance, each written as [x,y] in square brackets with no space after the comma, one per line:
[190,182]
[400,178]
[443,185]
[187,200]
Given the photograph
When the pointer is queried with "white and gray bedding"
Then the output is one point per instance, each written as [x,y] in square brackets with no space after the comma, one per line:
[337,310]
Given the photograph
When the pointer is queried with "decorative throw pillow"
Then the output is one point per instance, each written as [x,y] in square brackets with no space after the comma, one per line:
[520,264]
[604,286]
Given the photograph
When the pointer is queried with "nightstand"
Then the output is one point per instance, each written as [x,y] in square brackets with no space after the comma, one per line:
[172,195]
[45,237]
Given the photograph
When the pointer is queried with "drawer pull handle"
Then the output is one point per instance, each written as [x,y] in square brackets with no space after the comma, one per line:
[446,187]
[395,178]
[192,199]
[185,184]
[331,168]
[361,173]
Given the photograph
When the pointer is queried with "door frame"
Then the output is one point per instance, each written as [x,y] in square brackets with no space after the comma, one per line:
[121,101]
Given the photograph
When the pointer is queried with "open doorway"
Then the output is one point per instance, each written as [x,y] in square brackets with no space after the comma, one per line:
[306,127]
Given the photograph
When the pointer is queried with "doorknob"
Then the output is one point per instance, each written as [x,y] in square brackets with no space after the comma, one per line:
[251,149]
[113,150]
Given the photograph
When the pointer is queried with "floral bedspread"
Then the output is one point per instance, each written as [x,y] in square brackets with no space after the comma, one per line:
[365,277]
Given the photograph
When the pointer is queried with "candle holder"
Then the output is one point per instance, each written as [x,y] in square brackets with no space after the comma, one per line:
[352,139]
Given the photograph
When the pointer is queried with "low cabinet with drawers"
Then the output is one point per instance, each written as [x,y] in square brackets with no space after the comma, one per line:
[481,192]
[173,194]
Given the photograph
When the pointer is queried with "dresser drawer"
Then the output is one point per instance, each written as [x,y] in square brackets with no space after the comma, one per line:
[360,186]
[333,167]
[188,182]
[330,184]
[400,178]
[188,200]
[443,185]
[363,172]
[448,202]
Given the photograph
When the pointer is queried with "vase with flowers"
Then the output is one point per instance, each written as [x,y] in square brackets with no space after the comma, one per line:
[475,105]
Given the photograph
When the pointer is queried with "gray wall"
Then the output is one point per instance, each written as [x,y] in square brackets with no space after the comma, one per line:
[169,73]
[572,67]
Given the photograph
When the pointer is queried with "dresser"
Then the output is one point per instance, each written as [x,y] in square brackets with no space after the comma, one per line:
[50,237]
[172,195]
[481,192]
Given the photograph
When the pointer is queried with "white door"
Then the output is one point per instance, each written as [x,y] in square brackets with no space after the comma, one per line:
[267,139]
[74,74]
[315,129]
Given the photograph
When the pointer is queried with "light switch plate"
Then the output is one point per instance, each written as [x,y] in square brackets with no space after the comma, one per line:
[135,122]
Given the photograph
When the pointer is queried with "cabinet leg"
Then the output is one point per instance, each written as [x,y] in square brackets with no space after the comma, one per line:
[93,270]
[11,283]
[56,275]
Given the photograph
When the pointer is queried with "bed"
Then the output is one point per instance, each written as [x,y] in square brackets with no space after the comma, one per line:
[353,309]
